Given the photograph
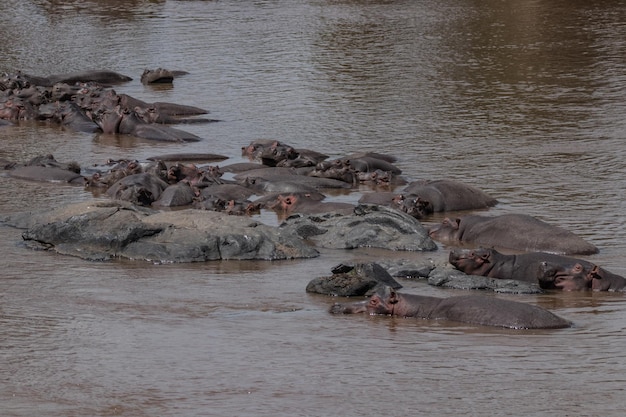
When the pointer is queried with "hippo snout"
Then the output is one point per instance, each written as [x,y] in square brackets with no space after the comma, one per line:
[336,308]
[358,307]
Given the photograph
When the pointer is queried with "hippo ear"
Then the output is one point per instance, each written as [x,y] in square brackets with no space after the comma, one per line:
[393,296]
[595,273]
[484,258]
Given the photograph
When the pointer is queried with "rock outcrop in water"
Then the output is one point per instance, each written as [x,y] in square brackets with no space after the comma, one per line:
[353,280]
[102,230]
[115,229]
[369,226]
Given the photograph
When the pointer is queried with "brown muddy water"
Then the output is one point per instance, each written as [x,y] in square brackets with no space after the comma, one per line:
[526,100]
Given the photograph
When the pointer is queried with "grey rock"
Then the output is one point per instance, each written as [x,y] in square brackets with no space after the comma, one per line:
[105,230]
[448,277]
[352,280]
[368,226]
[402,268]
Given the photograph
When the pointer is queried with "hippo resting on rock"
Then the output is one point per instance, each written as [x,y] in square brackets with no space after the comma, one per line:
[473,309]
[512,231]
[550,271]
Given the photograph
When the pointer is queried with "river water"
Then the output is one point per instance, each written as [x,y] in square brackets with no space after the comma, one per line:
[526,100]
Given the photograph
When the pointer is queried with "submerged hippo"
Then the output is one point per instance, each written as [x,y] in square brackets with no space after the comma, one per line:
[449,195]
[473,309]
[304,203]
[578,277]
[512,231]
[141,189]
[157,76]
[409,204]
[99,76]
[47,174]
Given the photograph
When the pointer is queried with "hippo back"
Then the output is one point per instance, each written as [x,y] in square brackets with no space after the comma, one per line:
[522,232]
[449,195]
[491,311]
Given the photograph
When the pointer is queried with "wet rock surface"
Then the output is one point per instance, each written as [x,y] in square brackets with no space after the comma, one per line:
[368,226]
[116,229]
[353,280]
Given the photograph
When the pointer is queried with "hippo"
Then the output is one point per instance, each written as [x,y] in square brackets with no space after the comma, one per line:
[15,108]
[47,168]
[188,157]
[377,155]
[141,189]
[380,178]
[370,163]
[70,115]
[511,231]
[49,160]
[157,76]
[242,208]
[472,309]
[448,195]
[603,280]
[152,115]
[170,109]
[47,174]
[269,180]
[160,75]
[305,158]
[263,186]
[305,203]
[490,263]
[116,171]
[98,76]
[131,124]
[577,277]
[365,163]
[226,192]
[409,204]
[80,102]
[239,167]
[275,153]
[175,195]
[341,173]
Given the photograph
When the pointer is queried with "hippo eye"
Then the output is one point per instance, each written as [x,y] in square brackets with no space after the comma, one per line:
[578,268]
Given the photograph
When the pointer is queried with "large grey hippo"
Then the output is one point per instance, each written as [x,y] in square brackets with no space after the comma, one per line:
[473,309]
[488,262]
[512,231]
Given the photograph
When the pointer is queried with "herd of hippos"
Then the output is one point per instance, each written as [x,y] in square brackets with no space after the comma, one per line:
[290,181]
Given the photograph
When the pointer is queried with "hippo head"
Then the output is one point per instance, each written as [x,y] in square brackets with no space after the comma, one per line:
[381,302]
[284,203]
[470,261]
[414,206]
[552,275]
[447,231]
